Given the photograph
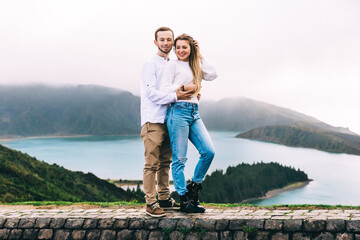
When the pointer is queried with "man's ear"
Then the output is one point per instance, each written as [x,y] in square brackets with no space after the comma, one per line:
[155,42]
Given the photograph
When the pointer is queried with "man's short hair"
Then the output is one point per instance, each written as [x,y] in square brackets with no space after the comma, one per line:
[163,29]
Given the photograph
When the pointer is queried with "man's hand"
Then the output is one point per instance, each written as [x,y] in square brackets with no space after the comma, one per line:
[198,96]
[183,95]
[190,86]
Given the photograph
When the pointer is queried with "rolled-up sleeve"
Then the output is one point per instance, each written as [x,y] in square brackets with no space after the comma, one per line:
[208,71]
[148,76]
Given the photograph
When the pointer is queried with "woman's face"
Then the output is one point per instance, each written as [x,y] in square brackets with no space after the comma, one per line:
[182,50]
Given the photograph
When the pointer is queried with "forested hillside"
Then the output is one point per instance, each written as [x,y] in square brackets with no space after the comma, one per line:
[23,178]
[246,181]
[308,138]
[88,110]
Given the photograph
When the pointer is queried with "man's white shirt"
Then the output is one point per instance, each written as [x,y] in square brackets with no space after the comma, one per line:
[154,103]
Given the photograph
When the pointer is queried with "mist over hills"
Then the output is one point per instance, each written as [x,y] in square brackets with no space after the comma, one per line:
[38,110]
[243,114]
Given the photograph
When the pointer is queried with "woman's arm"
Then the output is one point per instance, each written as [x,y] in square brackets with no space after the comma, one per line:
[208,71]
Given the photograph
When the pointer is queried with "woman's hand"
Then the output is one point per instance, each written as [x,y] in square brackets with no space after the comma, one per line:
[190,86]
[196,44]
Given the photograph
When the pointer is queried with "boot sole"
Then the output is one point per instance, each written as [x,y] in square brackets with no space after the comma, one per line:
[156,215]
[170,208]
[187,211]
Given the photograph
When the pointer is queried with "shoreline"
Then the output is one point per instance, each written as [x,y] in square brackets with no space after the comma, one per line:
[273,193]
[13,138]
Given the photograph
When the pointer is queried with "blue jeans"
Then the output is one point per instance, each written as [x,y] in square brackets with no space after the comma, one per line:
[184,122]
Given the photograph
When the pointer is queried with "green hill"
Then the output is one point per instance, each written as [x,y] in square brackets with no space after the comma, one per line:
[246,181]
[24,178]
[296,136]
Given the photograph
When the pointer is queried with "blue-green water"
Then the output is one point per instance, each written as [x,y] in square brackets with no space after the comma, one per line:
[336,176]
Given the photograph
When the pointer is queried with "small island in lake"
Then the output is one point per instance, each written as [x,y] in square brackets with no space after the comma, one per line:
[245,181]
[297,136]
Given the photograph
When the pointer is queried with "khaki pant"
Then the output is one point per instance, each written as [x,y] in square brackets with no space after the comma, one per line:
[157,161]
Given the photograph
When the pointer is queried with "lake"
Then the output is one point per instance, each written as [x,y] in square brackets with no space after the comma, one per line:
[336,176]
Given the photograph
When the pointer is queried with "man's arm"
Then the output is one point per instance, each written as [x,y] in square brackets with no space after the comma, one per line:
[148,78]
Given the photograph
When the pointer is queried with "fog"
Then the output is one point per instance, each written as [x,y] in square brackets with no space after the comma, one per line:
[303,55]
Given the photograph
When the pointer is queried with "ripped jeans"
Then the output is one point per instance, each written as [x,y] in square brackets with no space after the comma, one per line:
[184,122]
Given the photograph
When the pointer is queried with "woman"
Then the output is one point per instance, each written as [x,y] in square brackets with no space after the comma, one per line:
[183,119]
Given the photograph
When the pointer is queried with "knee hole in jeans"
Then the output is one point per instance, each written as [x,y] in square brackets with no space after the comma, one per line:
[209,154]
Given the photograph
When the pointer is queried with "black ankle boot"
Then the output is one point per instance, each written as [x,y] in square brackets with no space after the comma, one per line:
[193,190]
[187,206]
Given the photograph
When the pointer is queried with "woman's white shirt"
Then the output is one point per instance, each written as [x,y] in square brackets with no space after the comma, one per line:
[179,73]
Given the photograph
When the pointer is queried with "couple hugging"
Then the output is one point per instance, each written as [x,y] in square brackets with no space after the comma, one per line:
[169,117]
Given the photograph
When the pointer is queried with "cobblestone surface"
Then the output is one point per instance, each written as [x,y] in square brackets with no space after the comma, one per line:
[108,216]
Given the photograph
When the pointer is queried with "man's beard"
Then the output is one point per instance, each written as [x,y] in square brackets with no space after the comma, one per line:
[164,51]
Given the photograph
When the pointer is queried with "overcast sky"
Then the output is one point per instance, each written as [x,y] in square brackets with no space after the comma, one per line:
[303,55]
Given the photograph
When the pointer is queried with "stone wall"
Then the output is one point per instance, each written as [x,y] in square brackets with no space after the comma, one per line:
[192,226]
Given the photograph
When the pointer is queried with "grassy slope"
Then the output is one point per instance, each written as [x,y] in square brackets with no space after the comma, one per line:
[23,178]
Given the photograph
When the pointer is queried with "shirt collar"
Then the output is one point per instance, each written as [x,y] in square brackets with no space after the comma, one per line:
[162,58]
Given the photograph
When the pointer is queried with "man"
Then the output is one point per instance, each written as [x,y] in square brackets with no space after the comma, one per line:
[154,133]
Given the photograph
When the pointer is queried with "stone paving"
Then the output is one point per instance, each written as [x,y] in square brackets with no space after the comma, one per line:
[210,213]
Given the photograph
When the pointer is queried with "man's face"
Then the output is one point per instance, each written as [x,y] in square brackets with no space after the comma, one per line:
[164,41]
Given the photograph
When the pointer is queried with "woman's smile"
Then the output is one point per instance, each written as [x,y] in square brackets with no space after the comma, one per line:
[183,50]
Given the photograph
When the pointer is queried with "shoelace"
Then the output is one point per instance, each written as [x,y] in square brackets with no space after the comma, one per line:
[172,201]
[155,205]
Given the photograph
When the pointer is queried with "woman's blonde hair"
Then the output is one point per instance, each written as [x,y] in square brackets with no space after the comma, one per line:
[194,60]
